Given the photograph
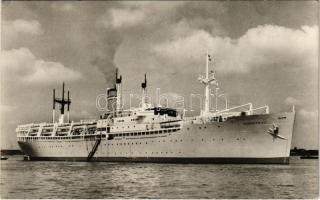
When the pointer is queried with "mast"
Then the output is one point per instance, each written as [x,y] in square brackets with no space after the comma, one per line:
[119,91]
[207,81]
[68,107]
[54,106]
[61,119]
[207,89]
[144,92]
[62,103]
[217,89]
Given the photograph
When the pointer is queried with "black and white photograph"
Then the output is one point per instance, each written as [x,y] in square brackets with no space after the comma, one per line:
[159,99]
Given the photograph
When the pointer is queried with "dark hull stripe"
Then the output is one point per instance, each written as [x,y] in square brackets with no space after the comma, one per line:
[278,160]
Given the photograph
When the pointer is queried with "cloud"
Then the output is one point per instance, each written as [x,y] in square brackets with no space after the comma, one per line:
[17,26]
[124,17]
[292,101]
[7,108]
[308,114]
[63,6]
[21,64]
[131,14]
[266,45]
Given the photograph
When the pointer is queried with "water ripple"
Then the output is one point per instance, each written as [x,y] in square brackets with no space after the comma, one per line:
[21,179]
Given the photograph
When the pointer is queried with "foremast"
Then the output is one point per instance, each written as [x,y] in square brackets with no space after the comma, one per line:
[207,80]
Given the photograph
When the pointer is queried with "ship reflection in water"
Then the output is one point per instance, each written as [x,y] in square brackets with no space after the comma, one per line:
[20,179]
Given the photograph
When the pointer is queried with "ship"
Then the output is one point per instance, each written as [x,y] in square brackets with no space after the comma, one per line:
[160,134]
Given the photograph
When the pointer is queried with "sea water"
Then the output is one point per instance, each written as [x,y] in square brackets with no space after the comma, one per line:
[49,179]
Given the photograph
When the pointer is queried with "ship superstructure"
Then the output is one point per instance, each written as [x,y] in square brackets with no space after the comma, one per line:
[151,133]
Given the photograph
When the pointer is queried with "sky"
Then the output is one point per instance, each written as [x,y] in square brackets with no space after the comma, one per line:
[264,52]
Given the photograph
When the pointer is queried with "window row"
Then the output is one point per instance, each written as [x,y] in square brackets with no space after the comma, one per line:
[144,133]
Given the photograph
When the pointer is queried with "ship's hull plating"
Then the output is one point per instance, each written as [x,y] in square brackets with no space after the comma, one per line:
[204,160]
[243,139]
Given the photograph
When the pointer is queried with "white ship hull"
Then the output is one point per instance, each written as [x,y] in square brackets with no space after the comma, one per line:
[240,139]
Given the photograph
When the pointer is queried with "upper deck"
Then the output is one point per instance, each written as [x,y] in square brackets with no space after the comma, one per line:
[135,121]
